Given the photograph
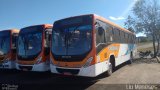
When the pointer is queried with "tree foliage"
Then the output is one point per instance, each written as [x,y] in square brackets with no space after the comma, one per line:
[129,24]
[146,19]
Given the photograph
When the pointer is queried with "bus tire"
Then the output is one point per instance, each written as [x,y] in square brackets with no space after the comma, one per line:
[131,59]
[111,68]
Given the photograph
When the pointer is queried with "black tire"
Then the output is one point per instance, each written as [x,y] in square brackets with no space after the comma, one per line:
[111,66]
[131,59]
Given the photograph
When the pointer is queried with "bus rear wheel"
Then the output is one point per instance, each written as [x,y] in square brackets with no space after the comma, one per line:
[131,59]
[111,66]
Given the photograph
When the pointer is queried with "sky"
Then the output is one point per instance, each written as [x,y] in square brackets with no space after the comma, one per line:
[22,13]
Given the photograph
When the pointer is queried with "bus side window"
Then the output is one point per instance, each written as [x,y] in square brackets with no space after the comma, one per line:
[123,37]
[100,33]
[130,36]
[120,35]
[126,37]
[113,34]
[117,38]
[108,35]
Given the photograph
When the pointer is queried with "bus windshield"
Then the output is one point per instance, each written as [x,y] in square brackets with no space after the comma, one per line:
[71,38]
[29,43]
[4,42]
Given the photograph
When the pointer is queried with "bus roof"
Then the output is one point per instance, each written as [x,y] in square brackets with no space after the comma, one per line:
[45,26]
[15,30]
[104,20]
[111,23]
[12,30]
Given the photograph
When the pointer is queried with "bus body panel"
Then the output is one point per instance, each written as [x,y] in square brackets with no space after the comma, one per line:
[90,71]
[125,53]
[101,64]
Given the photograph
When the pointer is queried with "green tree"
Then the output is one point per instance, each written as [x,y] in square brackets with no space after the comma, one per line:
[147,20]
[129,24]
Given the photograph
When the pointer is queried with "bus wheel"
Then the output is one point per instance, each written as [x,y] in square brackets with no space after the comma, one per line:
[110,69]
[131,59]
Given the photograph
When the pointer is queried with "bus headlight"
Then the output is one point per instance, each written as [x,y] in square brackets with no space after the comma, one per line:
[88,62]
[6,60]
[39,60]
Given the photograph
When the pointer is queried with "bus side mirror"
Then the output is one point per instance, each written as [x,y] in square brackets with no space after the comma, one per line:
[100,31]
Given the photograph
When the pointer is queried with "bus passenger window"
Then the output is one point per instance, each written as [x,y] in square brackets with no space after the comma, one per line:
[108,33]
[100,35]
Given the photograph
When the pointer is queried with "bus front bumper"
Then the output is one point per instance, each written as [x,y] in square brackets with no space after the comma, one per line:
[42,67]
[91,71]
[8,65]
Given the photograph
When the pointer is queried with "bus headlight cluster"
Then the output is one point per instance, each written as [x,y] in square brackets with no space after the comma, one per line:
[6,60]
[88,62]
[39,60]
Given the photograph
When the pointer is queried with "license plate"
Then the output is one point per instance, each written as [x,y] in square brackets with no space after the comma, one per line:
[24,69]
[67,73]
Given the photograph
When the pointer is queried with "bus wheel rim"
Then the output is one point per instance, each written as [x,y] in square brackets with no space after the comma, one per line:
[110,68]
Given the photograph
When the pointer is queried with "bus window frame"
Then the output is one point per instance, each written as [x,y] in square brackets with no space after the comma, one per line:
[99,24]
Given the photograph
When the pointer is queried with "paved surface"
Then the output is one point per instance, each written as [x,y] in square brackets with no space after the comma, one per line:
[137,73]
[142,71]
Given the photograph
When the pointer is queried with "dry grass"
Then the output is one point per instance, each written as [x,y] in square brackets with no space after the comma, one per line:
[139,44]
[145,49]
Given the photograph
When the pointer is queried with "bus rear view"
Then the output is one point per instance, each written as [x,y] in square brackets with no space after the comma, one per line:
[8,48]
[33,48]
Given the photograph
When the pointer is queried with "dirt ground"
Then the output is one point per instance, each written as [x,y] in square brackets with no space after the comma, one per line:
[142,71]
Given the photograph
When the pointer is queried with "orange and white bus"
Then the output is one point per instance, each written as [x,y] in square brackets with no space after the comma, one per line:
[89,45]
[8,48]
[33,47]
